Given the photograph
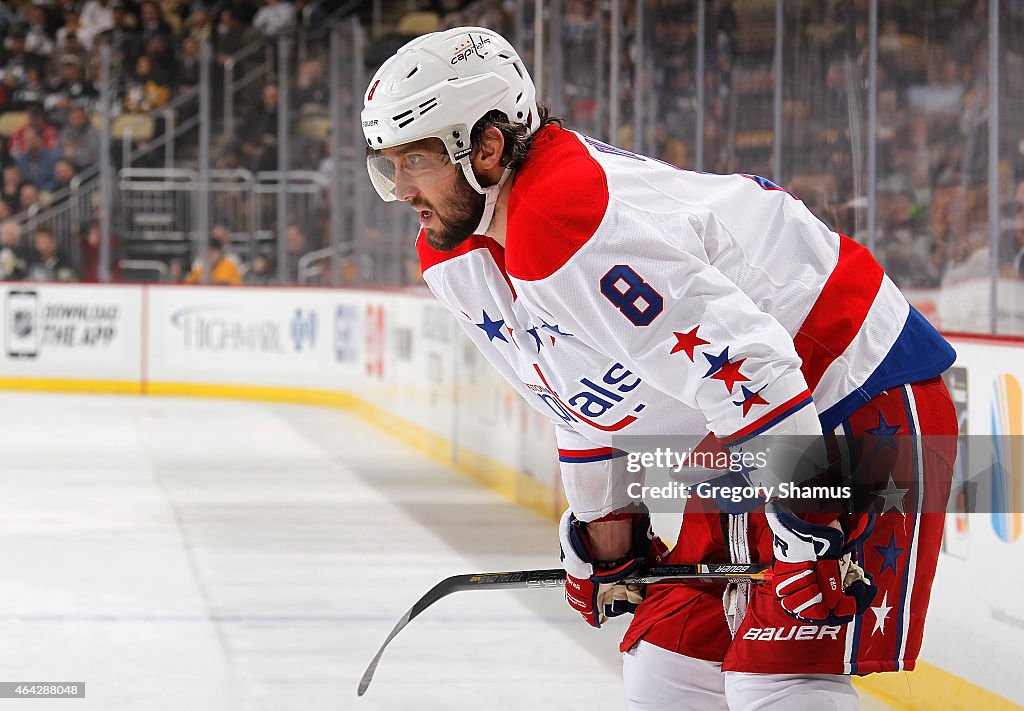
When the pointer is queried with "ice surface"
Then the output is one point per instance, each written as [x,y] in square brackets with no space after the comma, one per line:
[202,555]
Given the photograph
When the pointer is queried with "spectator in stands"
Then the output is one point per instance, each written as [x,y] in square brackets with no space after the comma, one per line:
[28,197]
[188,63]
[579,33]
[16,61]
[230,36]
[11,190]
[942,93]
[31,91]
[261,273]
[174,12]
[1015,267]
[262,120]
[243,10]
[49,263]
[36,121]
[295,247]
[152,23]
[311,89]
[144,92]
[219,267]
[326,165]
[490,13]
[97,17]
[5,211]
[162,53]
[89,238]
[199,25]
[14,257]
[38,40]
[64,171]
[7,19]
[274,18]
[123,37]
[70,88]
[89,250]
[73,46]
[79,141]
[309,15]
[72,27]
[254,155]
[220,233]
[258,147]
[38,163]
[907,251]
[307,153]
[176,271]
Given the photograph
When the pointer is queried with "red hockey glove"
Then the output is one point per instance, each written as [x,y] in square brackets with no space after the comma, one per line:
[591,589]
[814,574]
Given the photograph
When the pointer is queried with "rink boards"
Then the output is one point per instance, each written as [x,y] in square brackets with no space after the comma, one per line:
[399,360]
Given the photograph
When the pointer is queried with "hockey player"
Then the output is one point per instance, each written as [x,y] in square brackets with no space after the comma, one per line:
[623,296]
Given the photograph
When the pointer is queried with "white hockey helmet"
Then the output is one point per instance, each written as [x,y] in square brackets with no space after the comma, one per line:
[438,86]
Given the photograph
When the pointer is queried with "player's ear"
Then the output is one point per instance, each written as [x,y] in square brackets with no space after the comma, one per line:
[487,153]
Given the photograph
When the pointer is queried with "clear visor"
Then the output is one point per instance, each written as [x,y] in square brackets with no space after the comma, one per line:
[399,172]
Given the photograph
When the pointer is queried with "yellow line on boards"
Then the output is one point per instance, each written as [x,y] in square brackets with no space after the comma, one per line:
[926,688]
[62,385]
[929,688]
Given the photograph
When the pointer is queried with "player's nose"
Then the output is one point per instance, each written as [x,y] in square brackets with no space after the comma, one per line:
[405,189]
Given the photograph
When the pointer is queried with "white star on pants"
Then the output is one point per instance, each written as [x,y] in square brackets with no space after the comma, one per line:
[893,496]
[881,614]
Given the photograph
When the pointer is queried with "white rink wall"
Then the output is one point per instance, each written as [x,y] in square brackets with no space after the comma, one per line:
[400,360]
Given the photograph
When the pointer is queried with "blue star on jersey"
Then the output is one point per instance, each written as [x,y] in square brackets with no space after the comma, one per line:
[554,329]
[750,398]
[536,336]
[890,554]
[884,434]
[744,469]
[716,361]
[492,328]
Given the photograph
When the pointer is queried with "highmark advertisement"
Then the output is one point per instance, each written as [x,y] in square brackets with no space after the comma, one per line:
[209,335]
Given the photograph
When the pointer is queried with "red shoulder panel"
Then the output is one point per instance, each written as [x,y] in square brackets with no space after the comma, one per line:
[839,311]
[559,198]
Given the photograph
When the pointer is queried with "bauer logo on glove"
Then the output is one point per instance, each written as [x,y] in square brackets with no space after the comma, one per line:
[814,574]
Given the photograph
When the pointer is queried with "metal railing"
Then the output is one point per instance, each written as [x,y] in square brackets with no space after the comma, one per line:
[172,131]
[156,207]
[147,267]
[65,212]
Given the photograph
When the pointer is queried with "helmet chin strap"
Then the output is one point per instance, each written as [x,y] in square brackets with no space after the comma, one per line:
[490,198]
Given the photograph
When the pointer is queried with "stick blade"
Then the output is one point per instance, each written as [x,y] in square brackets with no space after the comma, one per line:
[364,683]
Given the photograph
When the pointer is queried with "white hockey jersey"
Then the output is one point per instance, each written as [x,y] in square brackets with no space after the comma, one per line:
[635,298]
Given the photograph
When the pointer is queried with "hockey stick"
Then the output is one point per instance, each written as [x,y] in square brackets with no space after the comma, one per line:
[555,577]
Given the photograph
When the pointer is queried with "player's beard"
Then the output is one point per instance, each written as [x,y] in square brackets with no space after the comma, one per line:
[463,209]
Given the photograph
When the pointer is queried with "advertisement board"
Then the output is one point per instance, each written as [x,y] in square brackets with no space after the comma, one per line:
[975,624]
[259,337]
[74,331]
